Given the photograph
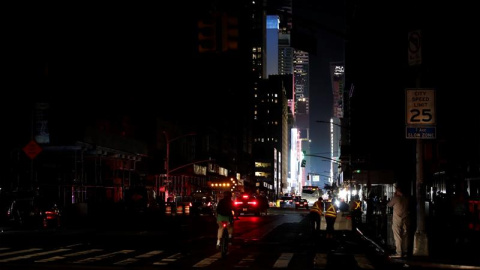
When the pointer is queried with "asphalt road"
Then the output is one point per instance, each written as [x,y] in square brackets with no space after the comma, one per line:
[282,239]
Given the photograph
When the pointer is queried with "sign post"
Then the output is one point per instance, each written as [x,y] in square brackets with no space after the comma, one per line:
[420,124]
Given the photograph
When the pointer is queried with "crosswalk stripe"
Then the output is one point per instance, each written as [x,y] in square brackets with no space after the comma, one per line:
[283,261]
[19,252]
[137,258]
[149,254]
[208,261]
[74,254]
[169,260]
[35,255]
[104,256]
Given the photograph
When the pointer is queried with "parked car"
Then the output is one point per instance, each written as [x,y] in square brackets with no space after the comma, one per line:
[249,204]
[33,212]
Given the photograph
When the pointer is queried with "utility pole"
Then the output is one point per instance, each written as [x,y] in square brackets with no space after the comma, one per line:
[420,116]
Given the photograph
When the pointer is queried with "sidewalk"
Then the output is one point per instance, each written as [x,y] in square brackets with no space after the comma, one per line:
[446,249]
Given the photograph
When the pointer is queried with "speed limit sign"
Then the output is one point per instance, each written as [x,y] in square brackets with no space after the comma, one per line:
[420,105]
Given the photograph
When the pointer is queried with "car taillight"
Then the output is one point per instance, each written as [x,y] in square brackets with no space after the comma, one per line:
[254,203]
[49,214]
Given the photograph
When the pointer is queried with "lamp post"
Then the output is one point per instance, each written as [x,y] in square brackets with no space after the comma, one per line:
[167,157]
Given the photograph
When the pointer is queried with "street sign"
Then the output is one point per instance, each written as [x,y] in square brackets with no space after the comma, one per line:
[421,132]
[415,48]
[420,107]
[32,149]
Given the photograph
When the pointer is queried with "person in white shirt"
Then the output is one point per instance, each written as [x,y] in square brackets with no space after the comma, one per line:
[400,222]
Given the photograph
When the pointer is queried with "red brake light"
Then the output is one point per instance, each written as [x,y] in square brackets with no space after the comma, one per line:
[245,196]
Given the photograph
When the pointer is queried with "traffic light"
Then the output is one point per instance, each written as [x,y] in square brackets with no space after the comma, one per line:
[207,35]
[229,32]
[304,162]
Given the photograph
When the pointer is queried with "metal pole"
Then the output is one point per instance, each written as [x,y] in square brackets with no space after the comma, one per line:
[420,244]
[167,167]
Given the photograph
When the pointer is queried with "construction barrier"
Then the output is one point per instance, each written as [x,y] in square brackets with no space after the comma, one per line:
[187,209]
[180,210]
[168,210]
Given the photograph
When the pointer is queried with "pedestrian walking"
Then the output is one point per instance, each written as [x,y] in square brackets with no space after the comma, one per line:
[400,222]
[330,216]
[316,212]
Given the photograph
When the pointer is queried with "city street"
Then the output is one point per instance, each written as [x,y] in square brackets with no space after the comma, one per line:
[281,239]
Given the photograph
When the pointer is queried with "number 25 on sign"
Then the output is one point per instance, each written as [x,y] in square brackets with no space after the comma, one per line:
[420,105]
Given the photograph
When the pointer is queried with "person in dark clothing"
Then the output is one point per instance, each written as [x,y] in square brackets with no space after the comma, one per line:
[330,216]
[356,212]
[316,212]
[225,212]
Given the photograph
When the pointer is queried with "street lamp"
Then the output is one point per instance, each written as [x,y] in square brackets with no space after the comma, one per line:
[167,158]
